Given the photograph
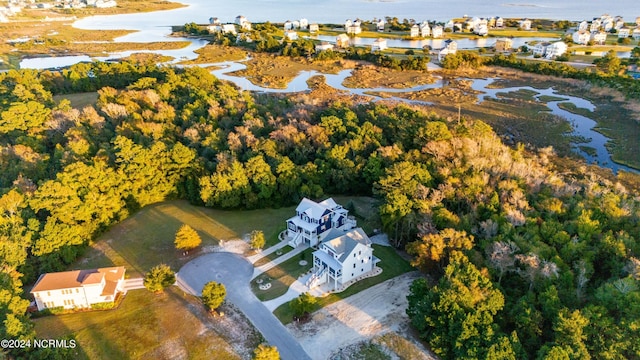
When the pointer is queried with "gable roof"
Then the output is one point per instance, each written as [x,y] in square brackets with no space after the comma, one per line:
[77,278]
[316,210]
[345,244]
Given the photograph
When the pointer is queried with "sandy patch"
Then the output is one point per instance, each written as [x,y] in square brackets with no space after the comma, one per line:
[361,317]
[236,246]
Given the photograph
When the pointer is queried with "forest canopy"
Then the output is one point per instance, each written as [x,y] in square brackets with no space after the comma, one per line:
[545,262]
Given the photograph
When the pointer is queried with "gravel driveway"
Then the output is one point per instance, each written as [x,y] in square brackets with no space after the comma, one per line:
[234,271]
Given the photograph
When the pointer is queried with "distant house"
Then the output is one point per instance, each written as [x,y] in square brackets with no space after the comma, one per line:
[314,28]
[449,25]
[304,23]
[295,24]
[525,24]
[619,24]
[288,25]
[291,35]
[499,22]
[624,33]
[313,222]
[240,20]
[481,29]
[228,29]
[214,21]
[342,258]
[583,26]
[342,41]
[78,288]
[246,26]
[380,25]
[581,37]
[450,47]
[638,21]
[347,23]
[3,18]
[106,4]
[504,44]
[599,37]
[425,29]
[214,28]
[324,46]
[555,49]
[437,32]
[595,25]
[608,24]
[354,30]
[379,45]
[415,31]
[636,34]
[540,49]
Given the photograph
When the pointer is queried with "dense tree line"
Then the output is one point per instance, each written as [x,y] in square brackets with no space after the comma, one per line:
[529,263]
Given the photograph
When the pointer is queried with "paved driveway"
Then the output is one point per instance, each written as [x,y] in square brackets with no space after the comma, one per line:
[235,272]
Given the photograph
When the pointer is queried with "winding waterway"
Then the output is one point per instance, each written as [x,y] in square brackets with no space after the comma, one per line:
[153,27]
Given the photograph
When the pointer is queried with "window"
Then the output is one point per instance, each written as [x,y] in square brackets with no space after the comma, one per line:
[362,261]
[361,270]
[359,252]
[48,293]
[354,266]
[354,254]
[77,290]
[351,274]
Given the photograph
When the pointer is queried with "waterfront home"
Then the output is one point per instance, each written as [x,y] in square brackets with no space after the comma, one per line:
[583,26]
[638,21]
[425,29]
[540,49]
[313,222]
[3,18]
[436,32]
[78,288]
[106,4]
[525,24]
[342,258]
[380,25]
[624,33]
[599,37]
[449,25]
[357,23]
[240,19]
[212,29]
[581,37]
[379,45]
[499,22]
[295,25]
[619,23]
[324,46]
[228,29]
[347,23]
[304,23]
[342,41]
[246,26]
[481,29]
[491,22]
[291,35]
[556,49]
[504,44]
[288,25]
[354,29]
[636,34]
[214,21]
[415,31]
[314,28]
[450,47]
[608,24]
[595,25]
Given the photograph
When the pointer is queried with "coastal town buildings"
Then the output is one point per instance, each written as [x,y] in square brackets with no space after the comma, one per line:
[324,46]
[314,28]
[342,41]
[599,37]
[504,44]
[437,32]
[450,47]
[379,45]
[313,222]
[525,24]
[581,37]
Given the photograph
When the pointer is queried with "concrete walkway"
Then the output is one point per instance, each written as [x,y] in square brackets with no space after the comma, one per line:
[298,287]
[253,258]
[273,263]
[234,272]
[133,284]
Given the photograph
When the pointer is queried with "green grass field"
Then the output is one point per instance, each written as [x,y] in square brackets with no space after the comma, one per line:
[78,100]
[145,326]
[392,265]
[282,276]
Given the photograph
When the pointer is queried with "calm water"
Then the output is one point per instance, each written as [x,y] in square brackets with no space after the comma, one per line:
[336,11]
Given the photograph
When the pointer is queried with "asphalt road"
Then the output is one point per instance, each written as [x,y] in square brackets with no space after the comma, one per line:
[235,272]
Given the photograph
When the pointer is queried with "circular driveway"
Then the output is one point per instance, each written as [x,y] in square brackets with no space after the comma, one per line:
[235,272]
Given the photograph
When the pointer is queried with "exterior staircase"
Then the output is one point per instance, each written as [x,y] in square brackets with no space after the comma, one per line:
[316,278]
[297,240]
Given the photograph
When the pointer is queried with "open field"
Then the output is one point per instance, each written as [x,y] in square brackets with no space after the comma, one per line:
[146,238]
[78,100]
[123,7]
[392,265]
[148,326]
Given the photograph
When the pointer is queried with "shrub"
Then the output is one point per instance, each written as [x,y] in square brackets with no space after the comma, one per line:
[159,278]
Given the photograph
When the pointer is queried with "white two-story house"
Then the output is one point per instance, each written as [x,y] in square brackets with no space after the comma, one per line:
[78,288]
[341,258]
[314,220]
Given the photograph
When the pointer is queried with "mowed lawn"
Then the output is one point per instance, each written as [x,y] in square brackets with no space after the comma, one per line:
[392,265]
[146,238]
[145,326]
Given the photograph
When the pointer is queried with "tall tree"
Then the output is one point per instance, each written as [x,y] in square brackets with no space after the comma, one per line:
[187,238]
[213,295]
